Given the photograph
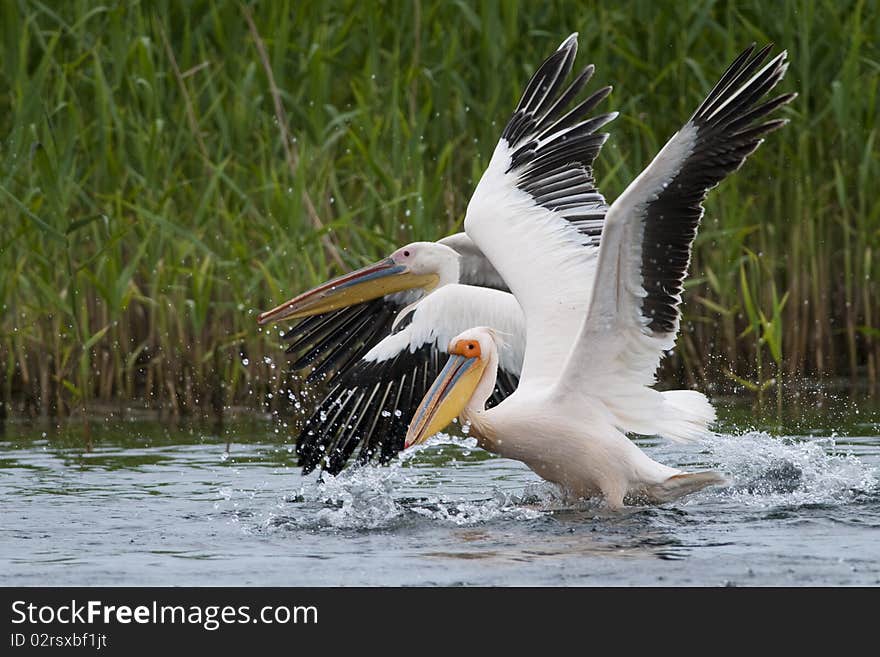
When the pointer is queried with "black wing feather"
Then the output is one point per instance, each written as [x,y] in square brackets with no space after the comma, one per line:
[726,134]
[325,342]
[552,154]
[372,407]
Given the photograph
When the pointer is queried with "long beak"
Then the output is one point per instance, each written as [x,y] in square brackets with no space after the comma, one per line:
[371,282]
[448,396]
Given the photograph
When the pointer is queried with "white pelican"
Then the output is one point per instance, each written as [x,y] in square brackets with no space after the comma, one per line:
[376,387]
[586,366]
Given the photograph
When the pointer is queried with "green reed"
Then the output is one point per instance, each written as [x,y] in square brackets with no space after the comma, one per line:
[158,190]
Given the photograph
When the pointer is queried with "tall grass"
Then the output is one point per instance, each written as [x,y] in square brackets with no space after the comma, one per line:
[170,168]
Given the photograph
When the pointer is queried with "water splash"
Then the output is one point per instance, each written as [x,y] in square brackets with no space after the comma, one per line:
[359,498]
[764,471]
[465,513]
[466,444]
[372,497]
[770,471]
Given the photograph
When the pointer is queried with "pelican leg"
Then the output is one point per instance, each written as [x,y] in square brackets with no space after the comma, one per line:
[613,493]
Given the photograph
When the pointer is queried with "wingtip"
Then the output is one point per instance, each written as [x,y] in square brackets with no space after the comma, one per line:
[587,73]
[570,41]
[777,124]
[781,57]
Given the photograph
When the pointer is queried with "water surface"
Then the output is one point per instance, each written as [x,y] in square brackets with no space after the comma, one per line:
[153,504]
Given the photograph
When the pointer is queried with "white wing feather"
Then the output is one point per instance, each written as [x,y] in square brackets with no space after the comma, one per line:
[448,311]
[536,214]
[544,260]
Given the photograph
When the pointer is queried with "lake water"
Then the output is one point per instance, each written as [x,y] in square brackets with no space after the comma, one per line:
[153,504]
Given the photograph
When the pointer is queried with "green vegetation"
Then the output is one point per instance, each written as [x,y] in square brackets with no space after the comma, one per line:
[159,187]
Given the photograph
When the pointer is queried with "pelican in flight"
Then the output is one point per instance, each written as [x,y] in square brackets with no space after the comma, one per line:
[587,365]
[380,334]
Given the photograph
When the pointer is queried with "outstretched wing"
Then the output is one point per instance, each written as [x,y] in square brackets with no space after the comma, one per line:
[649,232]
[536,213]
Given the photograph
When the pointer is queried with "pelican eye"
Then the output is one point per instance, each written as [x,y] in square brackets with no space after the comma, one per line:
[406,254]
[466,349]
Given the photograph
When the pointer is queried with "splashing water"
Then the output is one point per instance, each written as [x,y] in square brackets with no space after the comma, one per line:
[363,498]
[372,497]
[466,513]
[764,471]
[770,471]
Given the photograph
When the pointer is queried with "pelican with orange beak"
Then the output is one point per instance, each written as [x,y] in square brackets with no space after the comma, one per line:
[454,391]
[588,367]
[574,445]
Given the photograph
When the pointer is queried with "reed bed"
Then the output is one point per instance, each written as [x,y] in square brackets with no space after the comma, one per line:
[169,169]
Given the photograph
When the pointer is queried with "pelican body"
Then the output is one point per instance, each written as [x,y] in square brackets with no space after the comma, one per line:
[570,441]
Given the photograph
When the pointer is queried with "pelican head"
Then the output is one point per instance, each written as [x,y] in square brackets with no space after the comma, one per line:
[425,265]
[468,378]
